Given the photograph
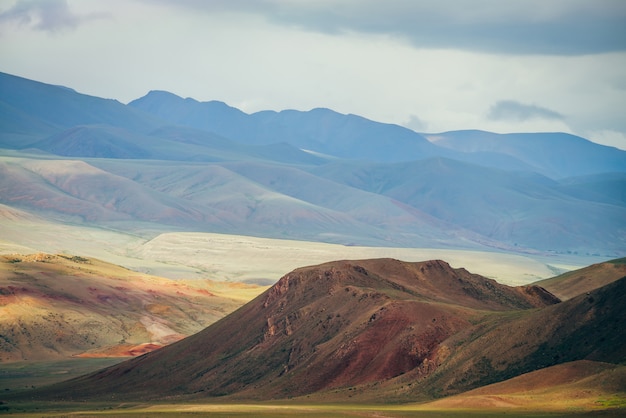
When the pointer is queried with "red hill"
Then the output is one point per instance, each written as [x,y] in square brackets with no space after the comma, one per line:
[332,326]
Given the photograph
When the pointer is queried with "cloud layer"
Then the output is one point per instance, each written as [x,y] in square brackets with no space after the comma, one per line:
[556,27]
[45,15]
[512,110]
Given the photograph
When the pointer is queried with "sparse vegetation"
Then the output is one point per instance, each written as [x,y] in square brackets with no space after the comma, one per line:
[56,311]
[271,350]
[139,185]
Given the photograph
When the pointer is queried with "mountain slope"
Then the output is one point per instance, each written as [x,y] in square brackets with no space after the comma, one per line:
[77,189]
[586,327]
[330,326]
[207,198]
[577,282]
[320,130]
[302,175]
[556,155]
[516,208]
[59,107]
[578,385]
[166,143]
[213,116]
[95,141]
[61,306]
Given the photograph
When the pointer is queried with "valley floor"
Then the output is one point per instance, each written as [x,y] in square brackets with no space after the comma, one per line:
[588,392]
[221,257]
[294,409]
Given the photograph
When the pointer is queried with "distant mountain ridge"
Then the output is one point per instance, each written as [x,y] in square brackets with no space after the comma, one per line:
[553,154]
[321,130]
[55,107]
[317,175]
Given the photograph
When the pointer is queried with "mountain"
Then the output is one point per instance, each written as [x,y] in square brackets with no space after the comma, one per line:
[557,155]
[165,143]
[78,190]
[320,130]
[222,149]
[421,204]
[30,108]
[213,116]
[517,208]
[237,197]
[96,142]
[337,325]
[60,306]
[577,282]
[609,188]
[164,162]
[586,327]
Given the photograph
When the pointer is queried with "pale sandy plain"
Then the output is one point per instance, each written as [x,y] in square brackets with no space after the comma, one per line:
[194,255]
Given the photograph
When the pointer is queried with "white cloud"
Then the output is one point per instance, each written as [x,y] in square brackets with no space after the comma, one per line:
[416,124]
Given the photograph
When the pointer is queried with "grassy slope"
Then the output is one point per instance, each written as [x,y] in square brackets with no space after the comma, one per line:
[54,307]
[575,386]
[570,284]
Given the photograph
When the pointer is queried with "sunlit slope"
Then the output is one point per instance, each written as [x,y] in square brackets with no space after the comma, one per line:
[224,198]
[581,385]
[57,306]
[574,283]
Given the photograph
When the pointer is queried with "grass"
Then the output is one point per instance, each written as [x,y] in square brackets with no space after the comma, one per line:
[618,261]
[278,410]
[612,402]
[556,403]
[26,375]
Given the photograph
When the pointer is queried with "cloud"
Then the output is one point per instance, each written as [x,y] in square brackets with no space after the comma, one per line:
[510,110]
[556,27]
[45,15]
[415,123]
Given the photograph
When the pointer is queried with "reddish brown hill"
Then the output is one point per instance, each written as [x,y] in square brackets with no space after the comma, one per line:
[335,325]
[587,327]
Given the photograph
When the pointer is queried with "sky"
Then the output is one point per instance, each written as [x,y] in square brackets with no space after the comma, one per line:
[432,66]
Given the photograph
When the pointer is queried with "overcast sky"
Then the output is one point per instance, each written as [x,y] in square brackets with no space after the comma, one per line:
[433,66]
